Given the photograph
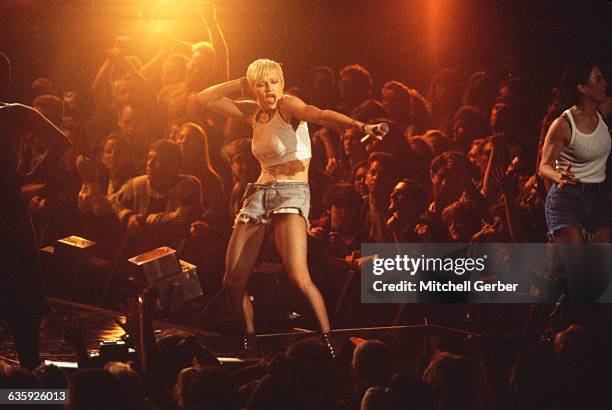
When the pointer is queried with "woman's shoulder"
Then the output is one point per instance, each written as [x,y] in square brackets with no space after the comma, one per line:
[561,127]
[289,102]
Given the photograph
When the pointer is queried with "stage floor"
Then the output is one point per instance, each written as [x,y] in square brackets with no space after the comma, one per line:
[413,343]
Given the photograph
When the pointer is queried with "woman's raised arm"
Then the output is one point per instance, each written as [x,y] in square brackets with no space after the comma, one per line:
[215,98]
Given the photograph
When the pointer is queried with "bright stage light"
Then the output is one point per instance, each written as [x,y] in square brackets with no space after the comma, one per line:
[159,27]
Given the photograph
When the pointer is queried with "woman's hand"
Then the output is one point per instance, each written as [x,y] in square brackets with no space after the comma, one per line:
[374,129]
[565,176]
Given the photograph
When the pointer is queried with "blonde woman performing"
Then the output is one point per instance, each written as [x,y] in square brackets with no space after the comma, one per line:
[280,199]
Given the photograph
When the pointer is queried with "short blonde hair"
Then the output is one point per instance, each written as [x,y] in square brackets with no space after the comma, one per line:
[259,68]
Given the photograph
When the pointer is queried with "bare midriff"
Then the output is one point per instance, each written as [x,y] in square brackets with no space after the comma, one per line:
[296,170]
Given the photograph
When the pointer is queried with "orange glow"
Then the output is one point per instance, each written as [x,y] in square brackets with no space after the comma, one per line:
[159,27]
[437,21]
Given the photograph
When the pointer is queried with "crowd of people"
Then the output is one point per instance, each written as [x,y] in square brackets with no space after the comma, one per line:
[458,165]
[173,370]
[150,165]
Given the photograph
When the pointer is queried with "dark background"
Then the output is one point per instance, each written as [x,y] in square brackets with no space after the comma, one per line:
[405,40]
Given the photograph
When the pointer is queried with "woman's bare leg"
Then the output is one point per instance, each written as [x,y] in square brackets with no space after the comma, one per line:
[242,252]
[290,239]
[583,281]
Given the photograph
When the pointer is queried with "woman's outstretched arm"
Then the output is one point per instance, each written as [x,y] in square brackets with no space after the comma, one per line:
[326,118]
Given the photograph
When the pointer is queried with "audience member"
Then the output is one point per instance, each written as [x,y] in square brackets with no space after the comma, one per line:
[193,142]
[479,154]
[208,388]
[133,123]
[353,150]
[444,98]
[115,160]
[369,110]
[321,88]
[408,201]
[463,220]
[97,389]
[407,107]
[468,125]
[451,178]
[244,167]
[161,205]
[354,86]
[41,86]
[358,178]
[383,173]
[338,229]
[480,92]
[424,154]
[131,383]
[437,141]
[457,381]
[372,366]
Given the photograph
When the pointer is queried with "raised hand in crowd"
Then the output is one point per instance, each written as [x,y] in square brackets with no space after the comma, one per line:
[86,169]
[498,157]
[208,11]
[503,180]
[71,100]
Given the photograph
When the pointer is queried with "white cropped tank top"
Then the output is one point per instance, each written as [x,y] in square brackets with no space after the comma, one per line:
[587,153]
[276,142]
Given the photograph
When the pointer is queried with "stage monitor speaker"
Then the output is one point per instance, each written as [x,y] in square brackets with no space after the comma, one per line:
[74,245]
[176,281]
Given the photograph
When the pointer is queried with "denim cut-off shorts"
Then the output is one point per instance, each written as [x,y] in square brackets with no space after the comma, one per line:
[262,201]
[581,205]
